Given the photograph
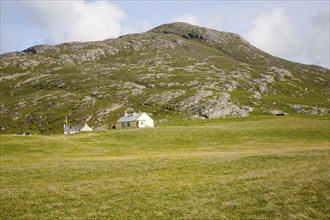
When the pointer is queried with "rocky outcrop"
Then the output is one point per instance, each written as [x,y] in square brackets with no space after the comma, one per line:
[193,100]
[194,32]
[309,110]
[42,49]
[102,127]
[256,95]
[219,107]
[164,98]
[280,73]
[206,104]
[105,112]
[88,100]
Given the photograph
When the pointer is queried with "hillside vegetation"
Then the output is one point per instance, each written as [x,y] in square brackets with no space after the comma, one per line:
[252,168]
[174,71]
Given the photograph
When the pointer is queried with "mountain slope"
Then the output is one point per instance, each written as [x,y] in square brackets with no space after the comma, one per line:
[174,71]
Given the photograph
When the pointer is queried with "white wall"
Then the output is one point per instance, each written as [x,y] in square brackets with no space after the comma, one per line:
[148,121]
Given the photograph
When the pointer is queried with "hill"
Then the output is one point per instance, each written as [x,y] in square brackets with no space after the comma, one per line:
[252,168]
[174,71]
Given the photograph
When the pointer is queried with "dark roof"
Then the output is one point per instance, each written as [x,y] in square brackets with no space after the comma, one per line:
[72,128]
[130,117]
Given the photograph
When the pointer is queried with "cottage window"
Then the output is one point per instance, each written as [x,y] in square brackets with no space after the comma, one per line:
[123,125]
[128,124]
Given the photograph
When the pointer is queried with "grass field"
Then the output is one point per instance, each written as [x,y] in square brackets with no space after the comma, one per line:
[244,168]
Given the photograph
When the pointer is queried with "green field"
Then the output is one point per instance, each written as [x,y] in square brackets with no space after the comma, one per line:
[239,168]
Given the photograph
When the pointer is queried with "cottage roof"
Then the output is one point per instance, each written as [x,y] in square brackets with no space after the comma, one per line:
[130,117]
[73,128]
[86,128]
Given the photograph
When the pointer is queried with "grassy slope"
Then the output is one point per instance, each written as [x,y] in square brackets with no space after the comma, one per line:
[258,167]
[36,103]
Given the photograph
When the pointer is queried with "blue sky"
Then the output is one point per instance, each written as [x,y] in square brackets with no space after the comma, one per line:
[294,30]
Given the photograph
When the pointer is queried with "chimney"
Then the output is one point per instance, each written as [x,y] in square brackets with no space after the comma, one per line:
[66,121]
[125,114]
[133,113]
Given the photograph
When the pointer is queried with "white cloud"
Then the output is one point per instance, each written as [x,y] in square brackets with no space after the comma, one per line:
[318,37]
[274,33]
[9,39]
[61,21]
[215,22]
[189,18]
[141,26]
[144,26]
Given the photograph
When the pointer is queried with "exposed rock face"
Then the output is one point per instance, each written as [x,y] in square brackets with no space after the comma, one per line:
[219,107]
[42,49]
[222,109]
[205,105]
[164,98]
[231,86]
[256,95]
[102,127]
[13,76]
[194,32]
[281,74]
[89,118]
[88,100]
[310,110]
[193,100]
[105,112]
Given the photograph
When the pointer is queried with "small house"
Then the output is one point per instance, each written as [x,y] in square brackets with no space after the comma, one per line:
[25,133]
[135,120]
[74,129]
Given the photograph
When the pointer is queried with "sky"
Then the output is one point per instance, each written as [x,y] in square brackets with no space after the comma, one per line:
[293,30]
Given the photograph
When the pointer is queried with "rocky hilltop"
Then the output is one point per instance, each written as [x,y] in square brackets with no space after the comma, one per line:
[174,71]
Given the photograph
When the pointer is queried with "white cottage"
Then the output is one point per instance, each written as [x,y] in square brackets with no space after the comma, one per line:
[135,120]
[74,129]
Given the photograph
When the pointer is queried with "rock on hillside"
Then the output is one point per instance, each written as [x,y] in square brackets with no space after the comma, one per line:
[174,71]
